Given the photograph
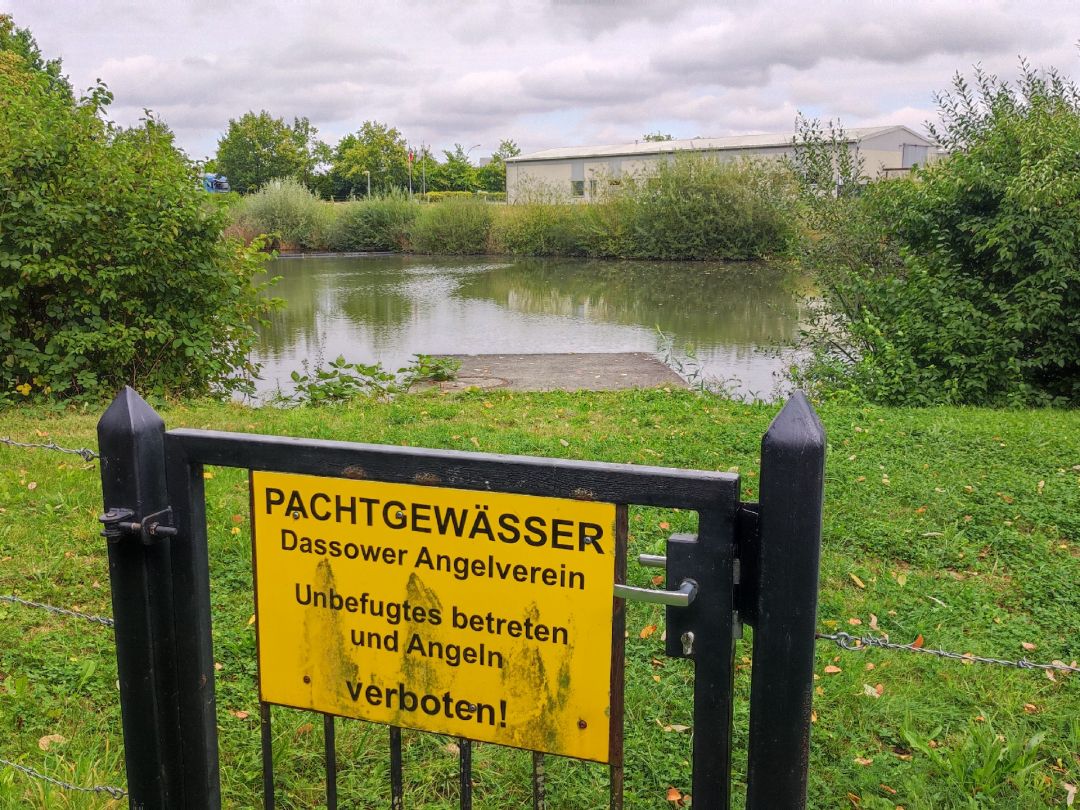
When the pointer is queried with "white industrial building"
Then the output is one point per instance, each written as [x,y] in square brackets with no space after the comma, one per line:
[577,172]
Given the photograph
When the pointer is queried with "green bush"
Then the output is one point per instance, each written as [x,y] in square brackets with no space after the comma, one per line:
[378,223]
[455,226]
[694,207]
[442,196]
[962,284]
[115,271]
[289,213]
[538,229]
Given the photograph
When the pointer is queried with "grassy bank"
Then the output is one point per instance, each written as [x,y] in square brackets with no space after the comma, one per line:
[692,208]
[957,525]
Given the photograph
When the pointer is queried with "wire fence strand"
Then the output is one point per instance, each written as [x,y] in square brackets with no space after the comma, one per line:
[102,620]
[114,792]
[85,453]
[846,641]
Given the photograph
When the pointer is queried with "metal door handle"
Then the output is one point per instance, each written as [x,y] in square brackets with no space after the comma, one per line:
[681,598]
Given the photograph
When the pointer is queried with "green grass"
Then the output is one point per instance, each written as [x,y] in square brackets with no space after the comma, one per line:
[959,525]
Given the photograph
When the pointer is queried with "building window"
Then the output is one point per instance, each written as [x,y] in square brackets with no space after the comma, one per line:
[577,188]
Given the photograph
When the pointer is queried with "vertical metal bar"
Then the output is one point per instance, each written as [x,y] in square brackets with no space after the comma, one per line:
[397,792]
[618,661]
[538,787]
[787,560]
[713,651]
[266,738]
[330,746]
[130,440]
[465,772]
[192,630]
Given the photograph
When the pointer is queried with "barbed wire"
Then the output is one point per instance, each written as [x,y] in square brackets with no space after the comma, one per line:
[846,641]
[87,455]
[114,792]
[103,620]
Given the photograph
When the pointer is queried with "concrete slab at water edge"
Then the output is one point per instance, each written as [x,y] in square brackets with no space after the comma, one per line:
[560,372]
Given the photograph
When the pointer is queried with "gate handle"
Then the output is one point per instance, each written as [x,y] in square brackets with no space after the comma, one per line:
[652,560]
[681,598]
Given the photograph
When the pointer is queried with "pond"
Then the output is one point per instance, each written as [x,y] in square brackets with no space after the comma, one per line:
[736,317]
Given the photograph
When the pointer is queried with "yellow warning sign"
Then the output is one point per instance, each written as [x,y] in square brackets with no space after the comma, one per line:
[478,614]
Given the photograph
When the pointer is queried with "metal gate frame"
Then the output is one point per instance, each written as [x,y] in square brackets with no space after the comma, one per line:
[753,563]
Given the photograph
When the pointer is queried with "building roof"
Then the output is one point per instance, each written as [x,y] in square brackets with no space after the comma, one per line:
[765,140]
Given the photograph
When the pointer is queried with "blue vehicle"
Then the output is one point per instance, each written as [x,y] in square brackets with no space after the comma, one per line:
[215,183]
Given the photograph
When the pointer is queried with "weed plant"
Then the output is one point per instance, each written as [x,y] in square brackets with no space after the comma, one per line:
[288,212]
[956,525]
[454,226]
[377,223]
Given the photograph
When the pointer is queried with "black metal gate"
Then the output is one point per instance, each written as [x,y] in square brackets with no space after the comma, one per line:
[752,563]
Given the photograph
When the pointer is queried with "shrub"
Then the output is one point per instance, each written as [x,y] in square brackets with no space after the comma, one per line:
[454,227]
[378,223]
[699,208]
[962,284]
[539,229]
[289,213]
[114,268]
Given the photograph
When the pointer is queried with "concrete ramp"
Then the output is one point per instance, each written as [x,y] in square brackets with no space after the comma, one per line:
[561,372]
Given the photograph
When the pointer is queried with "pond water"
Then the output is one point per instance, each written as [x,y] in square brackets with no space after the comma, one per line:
[735,316]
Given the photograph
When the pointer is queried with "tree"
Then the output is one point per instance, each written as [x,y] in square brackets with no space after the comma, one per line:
[657,136]
[115,269]
[492,175]
[457,173]
[314,154]
[258,148]
[375,151]
[20,41]
[961,284]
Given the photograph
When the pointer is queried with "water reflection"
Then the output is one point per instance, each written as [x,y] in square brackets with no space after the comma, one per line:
[389,308]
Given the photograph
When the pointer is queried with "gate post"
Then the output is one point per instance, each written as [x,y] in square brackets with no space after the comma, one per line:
[131,446]
[785,610]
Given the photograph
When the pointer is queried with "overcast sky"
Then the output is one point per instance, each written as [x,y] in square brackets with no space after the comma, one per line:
[545,73]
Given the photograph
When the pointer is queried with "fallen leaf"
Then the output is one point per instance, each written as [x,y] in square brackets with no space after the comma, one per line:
[475,441]
[656,678]
[234,530]
[251,621]
[863,761]
[873,622]
[1006,498]
[218,666]
[832,669]
[854,799]
[901,579]
[673,795]
[240,715]
[305,728]
[879,688]
[1031,708]
[49,739]
[564,442]
[1027,645]
[858,582]
[664,525]
[647,630]
[677,728]
[854,622]
[658,579]
[887,789]
[918,642]
[813,716]
[870,691]
[1070,793]
[870,665]
[32,485]
[452,748]
[207,475]
[489,405]
[1040,487]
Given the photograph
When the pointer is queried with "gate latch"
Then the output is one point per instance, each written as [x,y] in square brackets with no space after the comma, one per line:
[681,598]
[118,522]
